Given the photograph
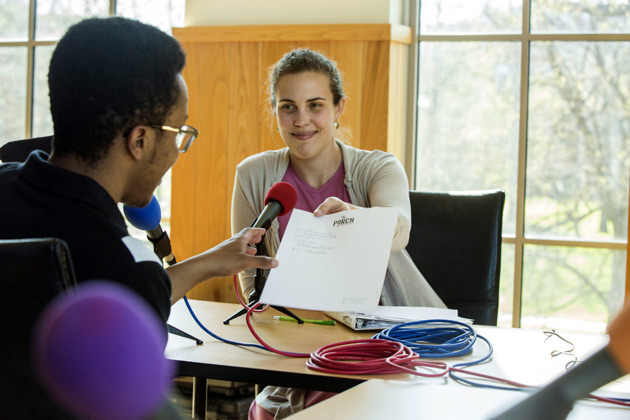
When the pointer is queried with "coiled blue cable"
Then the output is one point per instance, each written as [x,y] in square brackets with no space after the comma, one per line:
[441,338]
[433,338]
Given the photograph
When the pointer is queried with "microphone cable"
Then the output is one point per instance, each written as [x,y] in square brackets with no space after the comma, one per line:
[434,338]
[389,351]
[396,349]
[452,339]
[240,299]
[253,309]
[260,340]
[400,348]
[442,338]
[225,340]
[368,357]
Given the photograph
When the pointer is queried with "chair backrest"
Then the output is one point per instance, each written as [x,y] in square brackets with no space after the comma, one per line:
[455,242]
[32,273]
[18,150]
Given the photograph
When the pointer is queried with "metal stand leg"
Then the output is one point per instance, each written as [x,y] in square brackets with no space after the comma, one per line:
[243,311]
[254,297]
[177,331]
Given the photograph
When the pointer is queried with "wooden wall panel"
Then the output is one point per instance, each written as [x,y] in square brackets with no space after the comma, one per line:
[375,99]
[226,72]
[347,55]
[199,177]
[295,33]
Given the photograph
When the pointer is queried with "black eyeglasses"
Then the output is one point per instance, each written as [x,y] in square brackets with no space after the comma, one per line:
[185,135]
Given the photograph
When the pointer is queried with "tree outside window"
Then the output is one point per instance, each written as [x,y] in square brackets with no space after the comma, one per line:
[543,112]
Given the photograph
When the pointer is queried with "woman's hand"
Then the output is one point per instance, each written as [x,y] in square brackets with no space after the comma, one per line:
[333,205]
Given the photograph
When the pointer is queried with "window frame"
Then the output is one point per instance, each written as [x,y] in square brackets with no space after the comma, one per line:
[519,240]
[31,43]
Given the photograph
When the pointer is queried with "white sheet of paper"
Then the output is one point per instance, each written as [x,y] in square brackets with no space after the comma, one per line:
[335,262]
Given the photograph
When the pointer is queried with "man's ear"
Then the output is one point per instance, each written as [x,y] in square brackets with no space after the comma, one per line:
[137,142]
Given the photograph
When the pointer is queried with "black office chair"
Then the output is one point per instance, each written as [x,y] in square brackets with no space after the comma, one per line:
[455,242]
[18,150]
[32,273]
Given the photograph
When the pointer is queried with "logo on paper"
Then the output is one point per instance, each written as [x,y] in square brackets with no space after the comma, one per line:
[343,221]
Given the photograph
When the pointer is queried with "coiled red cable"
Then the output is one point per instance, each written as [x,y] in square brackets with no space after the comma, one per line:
[370,356]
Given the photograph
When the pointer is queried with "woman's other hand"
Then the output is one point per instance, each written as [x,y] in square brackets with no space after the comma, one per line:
[333,205]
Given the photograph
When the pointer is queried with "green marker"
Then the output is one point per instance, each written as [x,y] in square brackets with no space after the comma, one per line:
[310,321]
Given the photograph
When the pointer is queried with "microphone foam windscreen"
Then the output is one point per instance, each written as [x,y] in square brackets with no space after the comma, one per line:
[283,193]
[144,218]
[99,352]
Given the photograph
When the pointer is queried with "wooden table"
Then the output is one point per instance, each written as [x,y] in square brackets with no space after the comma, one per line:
[217,360]
[520,355]
[378,399]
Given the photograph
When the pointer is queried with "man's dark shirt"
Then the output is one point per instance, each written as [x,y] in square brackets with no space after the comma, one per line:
[42,200]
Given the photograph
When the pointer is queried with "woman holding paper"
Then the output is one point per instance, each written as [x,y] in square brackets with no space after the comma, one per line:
[306,95]
[307,98]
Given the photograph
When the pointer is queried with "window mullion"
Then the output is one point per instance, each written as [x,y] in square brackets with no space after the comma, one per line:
[522,170]
[30,69]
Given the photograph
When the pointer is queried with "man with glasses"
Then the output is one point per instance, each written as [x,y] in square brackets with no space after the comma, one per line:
[119,106]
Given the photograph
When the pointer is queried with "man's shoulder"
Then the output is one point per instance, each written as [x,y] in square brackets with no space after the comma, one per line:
[6,169]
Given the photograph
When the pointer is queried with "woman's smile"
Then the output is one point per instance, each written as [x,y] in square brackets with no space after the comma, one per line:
[304,135]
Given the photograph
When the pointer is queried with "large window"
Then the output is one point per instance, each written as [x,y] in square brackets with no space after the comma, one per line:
[534,98]
[29,31]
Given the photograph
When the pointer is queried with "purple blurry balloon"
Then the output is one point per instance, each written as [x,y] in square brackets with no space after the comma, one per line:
[99,352]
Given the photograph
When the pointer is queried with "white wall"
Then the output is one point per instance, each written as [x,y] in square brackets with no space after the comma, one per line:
[279,12]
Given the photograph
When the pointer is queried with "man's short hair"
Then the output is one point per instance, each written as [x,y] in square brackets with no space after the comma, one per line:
[106,76]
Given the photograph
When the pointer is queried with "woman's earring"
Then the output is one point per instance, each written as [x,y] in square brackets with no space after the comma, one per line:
[336,125]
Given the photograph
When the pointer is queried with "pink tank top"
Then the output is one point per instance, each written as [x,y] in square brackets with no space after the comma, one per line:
[308,197]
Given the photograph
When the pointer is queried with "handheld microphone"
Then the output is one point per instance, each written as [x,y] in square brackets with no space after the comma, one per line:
[555,400]
[280,200]
[99,352]
[148,218]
